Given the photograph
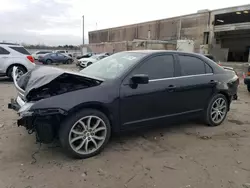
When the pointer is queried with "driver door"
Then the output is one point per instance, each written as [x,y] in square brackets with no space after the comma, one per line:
[147,103]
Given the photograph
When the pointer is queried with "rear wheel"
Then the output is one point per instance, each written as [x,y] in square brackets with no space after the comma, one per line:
[248,88]
[49,61]
[69,61]
[20,71]
[216,111]
[85,133]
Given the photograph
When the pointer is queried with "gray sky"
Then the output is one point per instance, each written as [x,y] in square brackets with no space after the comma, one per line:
[58,22]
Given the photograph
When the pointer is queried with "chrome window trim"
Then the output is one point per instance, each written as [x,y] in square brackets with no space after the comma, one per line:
[178,77]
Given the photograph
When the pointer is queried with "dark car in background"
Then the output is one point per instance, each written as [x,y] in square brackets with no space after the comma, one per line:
[56,58]
[86,55]
[124,91]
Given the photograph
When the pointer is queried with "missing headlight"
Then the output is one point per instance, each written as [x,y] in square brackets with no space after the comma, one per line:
[24,110]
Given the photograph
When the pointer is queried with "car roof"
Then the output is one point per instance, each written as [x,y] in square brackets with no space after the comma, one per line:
[165,51]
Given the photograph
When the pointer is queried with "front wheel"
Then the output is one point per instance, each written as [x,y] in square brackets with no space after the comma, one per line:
[248,88]
[85,134]
[69,61]
[49,61]
[216,111]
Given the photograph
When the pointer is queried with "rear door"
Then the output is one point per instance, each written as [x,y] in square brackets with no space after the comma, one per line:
[195,83]
[153,101]
[61,57]
[4,55]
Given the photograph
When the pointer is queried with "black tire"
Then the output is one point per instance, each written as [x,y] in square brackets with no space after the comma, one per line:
[67,125]
[207,114]
[89,63]
[69,61]
[49,61]
[248,88]
[10,70]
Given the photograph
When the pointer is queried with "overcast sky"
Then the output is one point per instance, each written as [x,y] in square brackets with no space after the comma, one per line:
[59,22]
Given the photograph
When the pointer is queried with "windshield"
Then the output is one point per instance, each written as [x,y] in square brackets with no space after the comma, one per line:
[113,66]
[94,56]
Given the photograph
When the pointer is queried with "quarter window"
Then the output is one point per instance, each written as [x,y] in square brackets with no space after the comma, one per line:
[158,67]
[3,51]
[208,68]
[20,50]
[192,65]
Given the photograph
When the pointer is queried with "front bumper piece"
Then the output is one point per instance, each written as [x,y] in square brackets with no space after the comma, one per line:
[19,103]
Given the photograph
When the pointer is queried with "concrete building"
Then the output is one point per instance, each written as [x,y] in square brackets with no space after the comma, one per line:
[224,33]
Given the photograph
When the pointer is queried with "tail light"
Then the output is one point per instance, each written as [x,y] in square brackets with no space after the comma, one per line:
[29,57]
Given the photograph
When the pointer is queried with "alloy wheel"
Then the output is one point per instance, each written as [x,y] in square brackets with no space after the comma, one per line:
[87,135]
[218,110]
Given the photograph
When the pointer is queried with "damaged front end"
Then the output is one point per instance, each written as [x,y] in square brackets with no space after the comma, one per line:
[36,86]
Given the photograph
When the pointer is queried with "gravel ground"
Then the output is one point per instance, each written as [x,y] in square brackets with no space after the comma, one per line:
[186,155]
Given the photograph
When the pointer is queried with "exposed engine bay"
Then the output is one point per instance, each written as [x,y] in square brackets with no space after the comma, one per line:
[37,86]
[62,84]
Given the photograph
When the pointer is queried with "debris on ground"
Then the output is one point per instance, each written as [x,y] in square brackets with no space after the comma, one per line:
[205,137]
[84,174]
[246,185]
[101,172]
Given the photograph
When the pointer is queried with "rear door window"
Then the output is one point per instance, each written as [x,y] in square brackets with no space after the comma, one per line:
[3,51]
[21,50]
[192,65]
[158,67]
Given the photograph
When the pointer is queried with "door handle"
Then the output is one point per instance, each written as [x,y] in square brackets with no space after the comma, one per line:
[213,82]
[171,88]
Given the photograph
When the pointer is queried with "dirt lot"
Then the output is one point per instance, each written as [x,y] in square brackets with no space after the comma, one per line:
[175,156]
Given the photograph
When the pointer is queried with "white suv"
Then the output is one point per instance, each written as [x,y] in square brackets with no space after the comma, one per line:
[14,55]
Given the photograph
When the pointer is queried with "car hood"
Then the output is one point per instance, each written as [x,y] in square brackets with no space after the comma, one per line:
[228,68]
[87,59]
[46,81]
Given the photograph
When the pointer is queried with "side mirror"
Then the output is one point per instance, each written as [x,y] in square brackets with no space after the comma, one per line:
[140,79]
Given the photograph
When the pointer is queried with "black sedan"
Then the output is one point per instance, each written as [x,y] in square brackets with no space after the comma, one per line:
[124,91]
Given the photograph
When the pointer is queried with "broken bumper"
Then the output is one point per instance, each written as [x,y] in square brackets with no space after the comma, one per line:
[14,104]
[19,104]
